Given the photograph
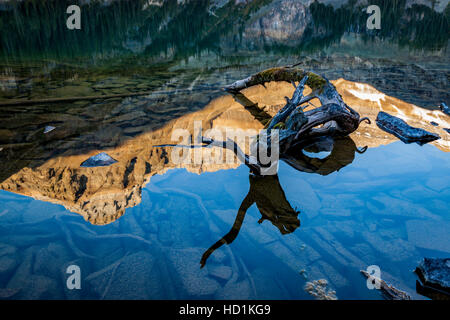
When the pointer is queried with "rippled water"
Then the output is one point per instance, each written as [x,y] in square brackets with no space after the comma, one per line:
[387,206]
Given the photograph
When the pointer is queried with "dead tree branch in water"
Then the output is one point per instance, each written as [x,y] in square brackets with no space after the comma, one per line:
[333,118]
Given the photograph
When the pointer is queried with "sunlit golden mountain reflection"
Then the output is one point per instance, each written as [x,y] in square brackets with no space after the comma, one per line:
[102,194]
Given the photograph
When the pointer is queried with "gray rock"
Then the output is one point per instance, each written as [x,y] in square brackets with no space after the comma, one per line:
[404,131]
[434,275]
[99,160]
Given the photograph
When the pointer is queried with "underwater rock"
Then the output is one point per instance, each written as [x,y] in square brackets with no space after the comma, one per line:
[49,259]
[318,289]
[434,278]
[134,277]
[221,272]
[195,282]
[8,293]
[99,160]
[445,109]
[430,235]
[47,129]
[404,131]
[241,290]
[388,291]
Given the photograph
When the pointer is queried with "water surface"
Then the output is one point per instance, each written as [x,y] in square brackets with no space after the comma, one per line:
[345,211]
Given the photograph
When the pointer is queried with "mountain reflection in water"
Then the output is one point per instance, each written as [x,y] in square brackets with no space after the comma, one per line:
[48,166]
[150,221]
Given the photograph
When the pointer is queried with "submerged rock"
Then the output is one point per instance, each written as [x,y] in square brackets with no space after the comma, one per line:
[434,278]
[445,109]
[404,131]
[99,160]
[319,290]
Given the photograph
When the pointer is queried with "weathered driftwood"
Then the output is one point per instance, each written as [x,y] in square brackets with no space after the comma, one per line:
[332,118]
[388,291]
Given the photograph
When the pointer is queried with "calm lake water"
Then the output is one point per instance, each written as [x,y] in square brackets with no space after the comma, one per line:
[387,206]
[359,216]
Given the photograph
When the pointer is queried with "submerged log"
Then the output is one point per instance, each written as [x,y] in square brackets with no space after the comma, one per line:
[404,131]
[389,292]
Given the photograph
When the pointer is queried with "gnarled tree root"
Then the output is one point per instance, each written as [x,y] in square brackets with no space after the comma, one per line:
[332,118]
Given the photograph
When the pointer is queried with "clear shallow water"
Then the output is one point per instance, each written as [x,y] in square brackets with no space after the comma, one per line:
[389,207]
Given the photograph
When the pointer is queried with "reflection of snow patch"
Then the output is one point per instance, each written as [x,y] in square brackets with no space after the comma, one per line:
[427,115]
[366,93]
[399,111]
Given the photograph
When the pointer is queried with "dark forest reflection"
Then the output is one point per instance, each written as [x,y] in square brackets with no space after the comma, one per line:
[268,194]
[31,29]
